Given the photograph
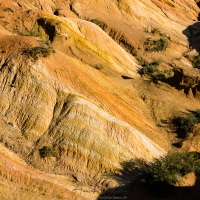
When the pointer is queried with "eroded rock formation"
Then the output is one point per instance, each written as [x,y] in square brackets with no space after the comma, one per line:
[65,108]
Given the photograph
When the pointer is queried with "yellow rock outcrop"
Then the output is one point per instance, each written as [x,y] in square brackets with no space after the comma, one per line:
[62,88]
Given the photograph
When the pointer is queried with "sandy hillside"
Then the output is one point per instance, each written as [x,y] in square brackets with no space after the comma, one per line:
[75,99]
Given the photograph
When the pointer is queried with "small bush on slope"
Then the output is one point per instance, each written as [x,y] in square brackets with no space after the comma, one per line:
[45,151]
[98,23]
[157,44]
[167,169]
[151,69]
[195,60]
[35,52]
[185,125]
[48,151]
[152,45]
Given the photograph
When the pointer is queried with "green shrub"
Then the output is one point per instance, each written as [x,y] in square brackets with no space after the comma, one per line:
[167,169]
[196,61]
[151,69]
[35,52]
[160,43]
[33,33]
[45,151]
[163,75]
[160,76]
[197,115]
[98,23]
[142,61]
[155,31]
[152,45]
[185,125]
[8,10]
[154,63]
[48,151]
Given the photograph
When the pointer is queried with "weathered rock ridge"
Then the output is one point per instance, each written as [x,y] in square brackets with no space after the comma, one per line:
[72,99]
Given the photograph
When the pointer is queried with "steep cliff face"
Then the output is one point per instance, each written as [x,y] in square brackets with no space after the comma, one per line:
[72,99]
[58,102]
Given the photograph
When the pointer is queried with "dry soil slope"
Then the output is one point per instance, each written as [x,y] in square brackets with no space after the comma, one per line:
[20,181]
[127,20]
[74,100]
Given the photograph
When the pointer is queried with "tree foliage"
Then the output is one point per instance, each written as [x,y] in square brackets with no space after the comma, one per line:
[167,169]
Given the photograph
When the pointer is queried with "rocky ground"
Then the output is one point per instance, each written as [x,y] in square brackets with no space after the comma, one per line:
[86,85]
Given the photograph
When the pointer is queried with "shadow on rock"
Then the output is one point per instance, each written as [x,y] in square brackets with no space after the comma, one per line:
[144,191]
[192,32]
[136,186]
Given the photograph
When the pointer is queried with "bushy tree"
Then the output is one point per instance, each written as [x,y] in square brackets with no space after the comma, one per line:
[167,169]
[185,125]
[174,165]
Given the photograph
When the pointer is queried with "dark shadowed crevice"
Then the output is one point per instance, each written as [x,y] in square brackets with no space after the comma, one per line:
[48,28]
[73,10]
[127,46]
[182,82]
[121,40]
[177,144]
[198,4]
[176,79]
[4,64]
[198,17]
[56,12]
[126,77]
[192,33]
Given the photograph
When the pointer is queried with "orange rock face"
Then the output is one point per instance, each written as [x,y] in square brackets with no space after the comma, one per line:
[73,101]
